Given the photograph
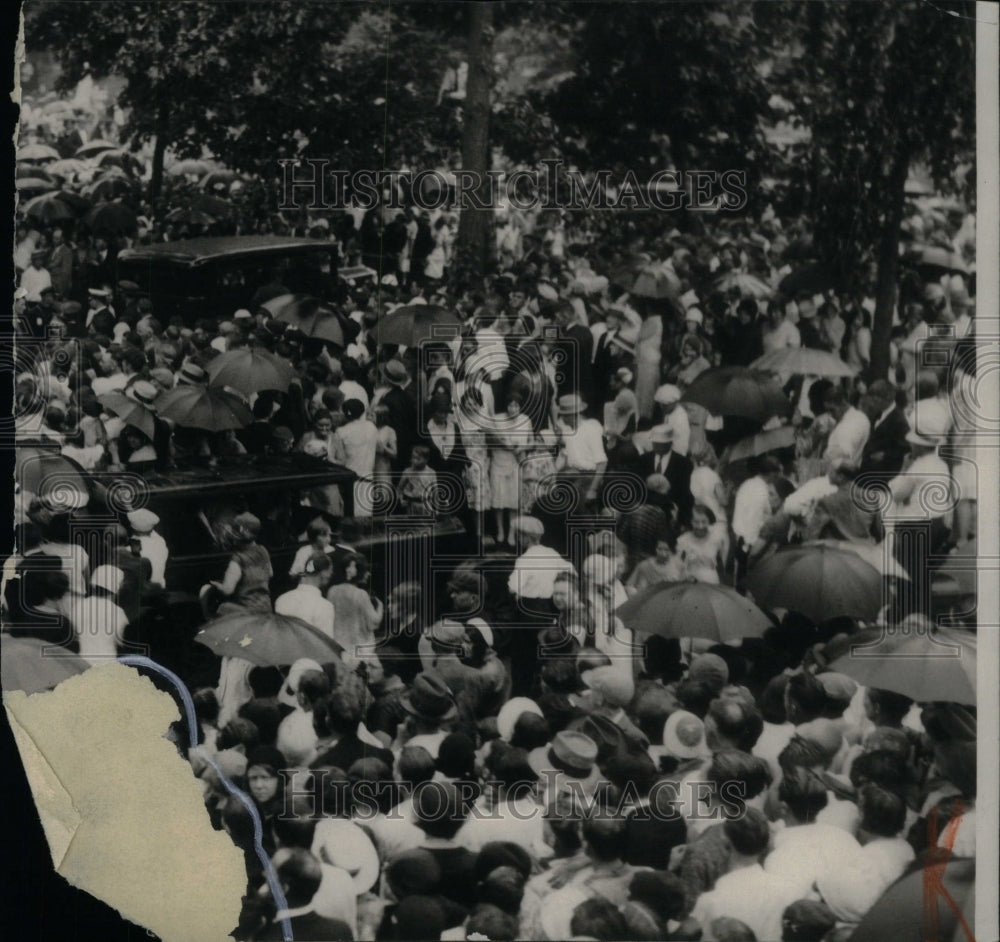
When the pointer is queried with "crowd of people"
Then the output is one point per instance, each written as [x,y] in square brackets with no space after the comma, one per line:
[512,759]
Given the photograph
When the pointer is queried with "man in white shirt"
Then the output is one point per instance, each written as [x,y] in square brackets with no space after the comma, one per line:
[536,568]
[747,892]
[675,417]
[752,506]
[581,447]
[296,735]
[36,278]
[152,546]
[306,600]
[850,435]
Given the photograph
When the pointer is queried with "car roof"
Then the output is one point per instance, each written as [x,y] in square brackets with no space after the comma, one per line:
[244,473]
[197,251]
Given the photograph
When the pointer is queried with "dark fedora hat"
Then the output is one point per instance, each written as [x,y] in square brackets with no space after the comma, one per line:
[429,697]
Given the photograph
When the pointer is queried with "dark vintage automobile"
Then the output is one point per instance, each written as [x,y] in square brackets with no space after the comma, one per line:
[213,277]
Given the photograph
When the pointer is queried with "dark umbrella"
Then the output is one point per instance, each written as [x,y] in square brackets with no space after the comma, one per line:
[922,905]
[819,582]
[34,185]
[210,180]
[308,315]
[268,639]
[34,666]
[924,666]
[49,207]
[693,610]
[774,439]
[109,187]
[738,391]
[810,279]
[213,206]
[250,370]
[130,412]
[410,324]
[189,216]
[24,171]
[49,474]
[112,218]
[205,407]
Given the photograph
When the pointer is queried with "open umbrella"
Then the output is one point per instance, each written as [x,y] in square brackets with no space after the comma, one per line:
[49,207]
[693,610]
[936,259]
[121,159]
[49,474]
[130,411]
[749,286]
[37,152]
[250,370]
[738,391]
[657,284]
[34,185]
[213,206]
[773,439]
[24,171]
[935,665]
[308,315]
[92,148]
[109,187]
[268,639]
[802,361]
[410,324]
[193,167]
[189,216]
[216,177]
[70,167]
[877,555]
[624,274]
[819,582]
[810,279]
[34,665]
[112,218]
[206,407]
[913,909]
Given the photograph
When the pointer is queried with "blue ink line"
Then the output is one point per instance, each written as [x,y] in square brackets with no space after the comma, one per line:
[258,828]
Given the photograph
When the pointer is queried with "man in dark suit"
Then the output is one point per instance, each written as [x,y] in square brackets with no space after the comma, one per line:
[401,402]
[886,447]
[300,875]
[574,351]
[674,467]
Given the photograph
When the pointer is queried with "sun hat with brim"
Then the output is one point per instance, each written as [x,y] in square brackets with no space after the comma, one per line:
[287,694]
[142,520]
[128,286]
[243,315]
[511,712]
[684,736]
[248,523]
[571,753]
[607,735]
[694,315]
[480,625]
[101,293]
[661,435]
[571,405]
[109,578]
[838,687]
[143,391]
[448,633]
[191,375]
[710,668]
[429,697]
[824,733]
[342,843]
[612,683]
[667,395]
[395,372]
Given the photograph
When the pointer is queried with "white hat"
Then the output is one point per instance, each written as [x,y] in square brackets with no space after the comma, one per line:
[242,314]
[342,843]
[390,281]
[684,736]
[291,686]
[694,314]
[511,712]
[218,343]
[667,395]
[109,578]
[142,520]
[484,629]
[661,435]
[689,299]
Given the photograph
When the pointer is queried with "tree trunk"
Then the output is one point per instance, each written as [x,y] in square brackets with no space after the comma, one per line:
[475,224]
[888,265]
[156,175]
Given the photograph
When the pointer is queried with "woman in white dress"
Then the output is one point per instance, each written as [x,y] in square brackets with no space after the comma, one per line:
[477,477]
[355,446]
[647,363]
[703,548]
[509,440]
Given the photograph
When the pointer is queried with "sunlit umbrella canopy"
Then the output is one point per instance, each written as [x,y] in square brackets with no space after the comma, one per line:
[34,185]
[656,283]
[217,177]
[49,474]
[194,168]
[213,206]
[308,315]
[70,168]
[937,664]
[693,610]
[802,361]
[93,148]
[34,665]
[738,391]
[773,439]
[37,152]
[109,187]
[251,370]
[819,582]
[749,286]
[50,207]
[410,324]
[267,639]
[209,408]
